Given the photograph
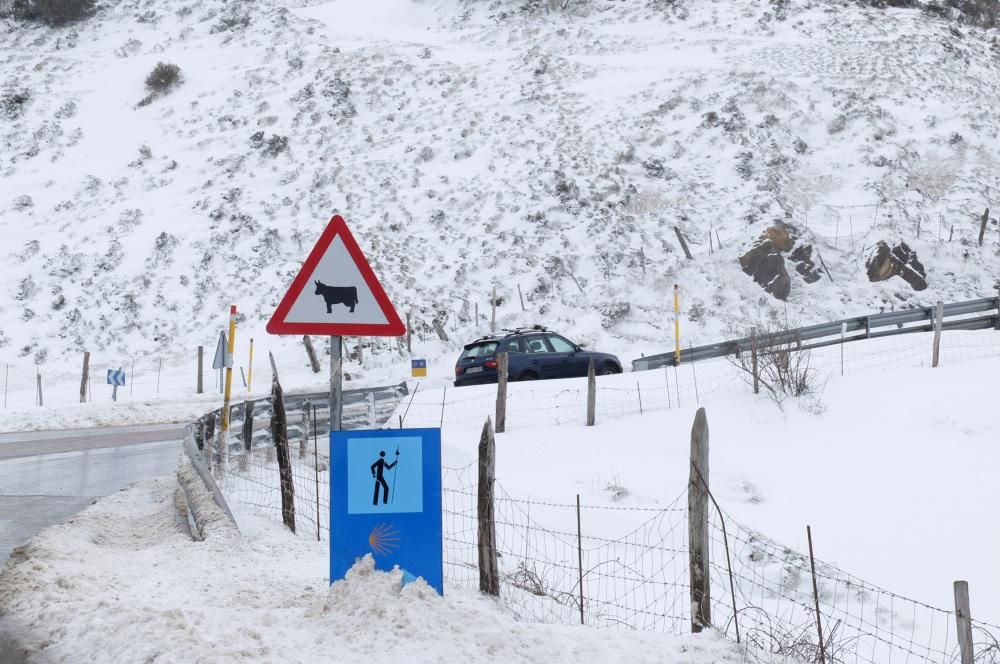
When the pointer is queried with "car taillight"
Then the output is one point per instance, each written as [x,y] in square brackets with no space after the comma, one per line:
[458,370]
[491,364]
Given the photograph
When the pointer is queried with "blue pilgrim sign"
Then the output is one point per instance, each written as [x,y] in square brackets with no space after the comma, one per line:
[385,499]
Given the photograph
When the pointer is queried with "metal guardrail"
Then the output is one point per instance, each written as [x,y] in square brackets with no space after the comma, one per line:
[853,329]
[357,412]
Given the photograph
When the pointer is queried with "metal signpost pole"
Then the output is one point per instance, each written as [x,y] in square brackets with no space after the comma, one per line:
[336,382]
[250,369]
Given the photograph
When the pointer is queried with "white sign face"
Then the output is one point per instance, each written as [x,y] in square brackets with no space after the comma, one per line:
[336,293]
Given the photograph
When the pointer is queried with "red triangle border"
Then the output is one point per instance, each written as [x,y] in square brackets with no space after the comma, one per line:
[278,325]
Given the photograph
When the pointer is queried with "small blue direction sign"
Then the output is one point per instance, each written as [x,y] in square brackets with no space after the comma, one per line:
[385,499]
[116,377]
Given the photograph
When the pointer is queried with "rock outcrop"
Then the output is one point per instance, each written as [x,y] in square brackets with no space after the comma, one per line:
[901,261]
[765,262]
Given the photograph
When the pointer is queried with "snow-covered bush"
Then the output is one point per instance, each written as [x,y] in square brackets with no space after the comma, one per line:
[164,77]
[53,12]
[12,103]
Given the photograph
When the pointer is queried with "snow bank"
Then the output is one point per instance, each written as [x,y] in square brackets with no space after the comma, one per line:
[122,582]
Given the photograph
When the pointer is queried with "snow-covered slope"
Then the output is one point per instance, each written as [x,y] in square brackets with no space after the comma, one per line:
[474,144]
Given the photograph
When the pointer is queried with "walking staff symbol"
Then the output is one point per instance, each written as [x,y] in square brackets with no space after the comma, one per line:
[378,468]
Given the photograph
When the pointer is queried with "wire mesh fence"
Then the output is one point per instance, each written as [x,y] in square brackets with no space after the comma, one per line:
[627,567]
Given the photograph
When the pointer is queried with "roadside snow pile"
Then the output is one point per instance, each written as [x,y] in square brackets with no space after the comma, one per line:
[123,582]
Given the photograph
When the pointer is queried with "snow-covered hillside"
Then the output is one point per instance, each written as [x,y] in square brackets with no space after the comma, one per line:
[480,144]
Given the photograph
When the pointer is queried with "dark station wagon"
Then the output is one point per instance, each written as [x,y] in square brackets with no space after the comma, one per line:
[534,353]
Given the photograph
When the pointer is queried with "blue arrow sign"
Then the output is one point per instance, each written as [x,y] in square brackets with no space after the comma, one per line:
[116,377]
[385,500]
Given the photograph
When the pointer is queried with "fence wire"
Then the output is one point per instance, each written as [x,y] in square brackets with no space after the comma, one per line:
[633,561]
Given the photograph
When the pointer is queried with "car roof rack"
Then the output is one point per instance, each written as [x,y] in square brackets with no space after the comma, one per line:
[522,330]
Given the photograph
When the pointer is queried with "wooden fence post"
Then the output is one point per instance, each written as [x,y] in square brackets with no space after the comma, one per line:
[493,317]
[307,426]
[698,540]
[753,359]
[442,335]
[86,376]
[982,226]
[201,366]
[409,335]
[279,435]
[521,296]
[963,619]
[311,352]
[591,394]
[38,376]
[489,575]
[199,433]
[248,407]
[209,431]
[938,322]
[501,414]
[684,244]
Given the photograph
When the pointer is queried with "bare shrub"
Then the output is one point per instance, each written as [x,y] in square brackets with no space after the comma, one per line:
[766,636]
[784,369]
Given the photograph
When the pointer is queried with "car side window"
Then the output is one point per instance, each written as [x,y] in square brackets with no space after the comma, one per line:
[560,345]
[514,346]
[535,344]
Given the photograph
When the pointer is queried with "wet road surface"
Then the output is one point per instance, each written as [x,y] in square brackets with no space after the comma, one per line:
[48,476]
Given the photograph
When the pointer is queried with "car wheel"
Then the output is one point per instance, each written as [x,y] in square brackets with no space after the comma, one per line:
[529,375]
[609,370]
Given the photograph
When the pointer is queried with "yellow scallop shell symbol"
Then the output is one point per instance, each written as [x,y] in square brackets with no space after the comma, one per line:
[383,539]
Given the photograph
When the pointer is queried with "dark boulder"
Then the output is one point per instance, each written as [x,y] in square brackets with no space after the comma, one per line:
[802,257]
[765,262]
[885,263]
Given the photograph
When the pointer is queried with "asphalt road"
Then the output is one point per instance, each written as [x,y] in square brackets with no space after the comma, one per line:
[48,476]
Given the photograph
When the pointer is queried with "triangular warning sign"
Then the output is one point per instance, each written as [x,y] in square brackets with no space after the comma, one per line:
[336,293]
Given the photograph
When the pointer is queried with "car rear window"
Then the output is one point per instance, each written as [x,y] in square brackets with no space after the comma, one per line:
[480,350]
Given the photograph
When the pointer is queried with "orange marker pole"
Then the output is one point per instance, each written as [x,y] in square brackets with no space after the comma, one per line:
[677,325]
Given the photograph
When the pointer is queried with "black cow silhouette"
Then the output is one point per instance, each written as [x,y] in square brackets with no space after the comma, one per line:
[345,295]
